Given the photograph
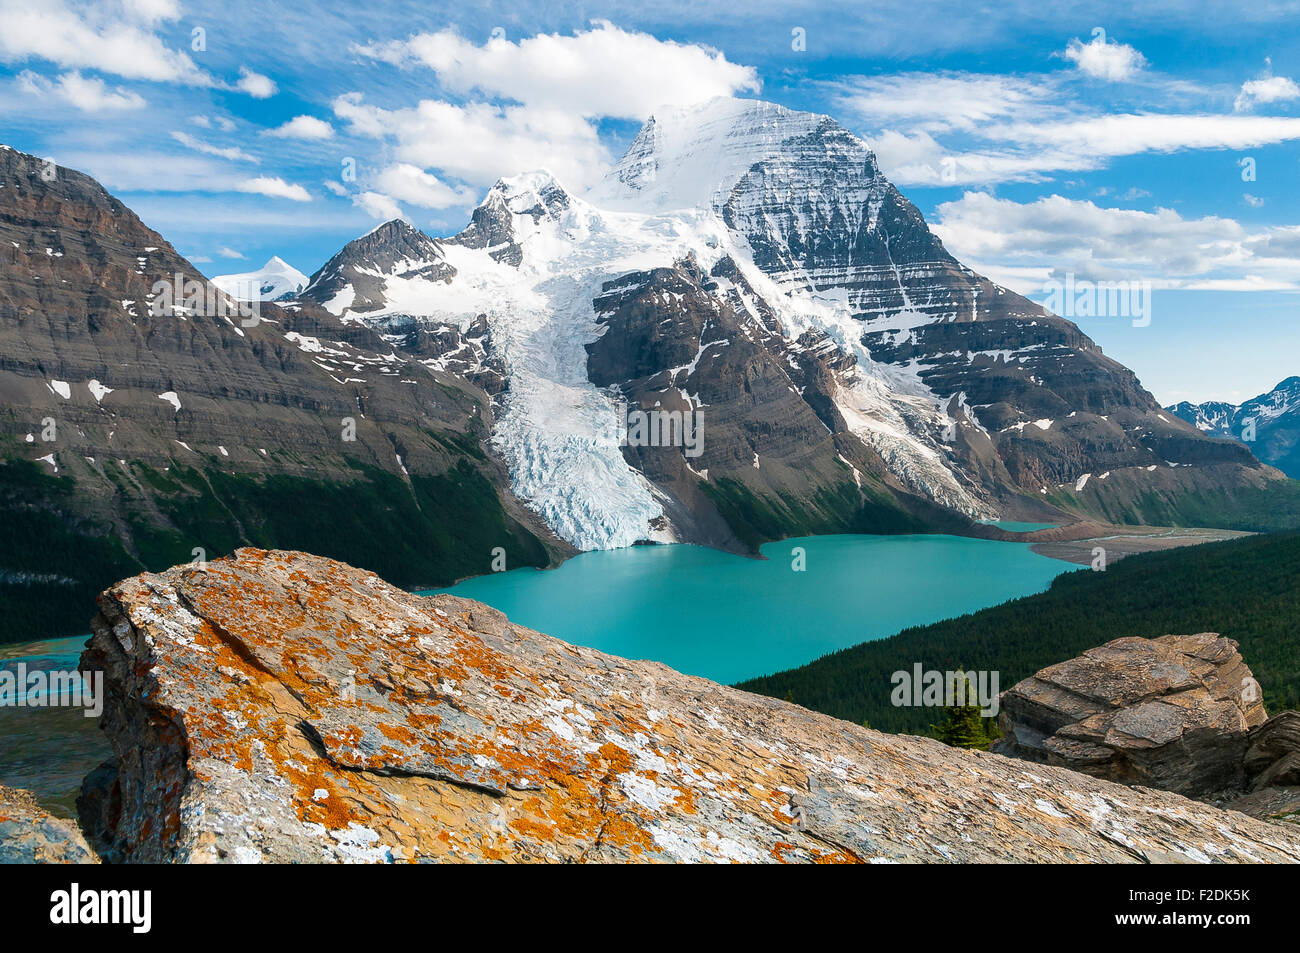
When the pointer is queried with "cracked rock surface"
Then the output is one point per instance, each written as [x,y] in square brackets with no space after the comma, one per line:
[284,707]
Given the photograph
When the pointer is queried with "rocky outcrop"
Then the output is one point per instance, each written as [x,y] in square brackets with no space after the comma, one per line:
[1273,752]
[284,707]
[31,835]
[1171,713]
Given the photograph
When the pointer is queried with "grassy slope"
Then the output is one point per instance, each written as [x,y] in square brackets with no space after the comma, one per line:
[1270,508]
[1246,589]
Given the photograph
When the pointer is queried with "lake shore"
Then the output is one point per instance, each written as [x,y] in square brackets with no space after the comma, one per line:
[1121,541]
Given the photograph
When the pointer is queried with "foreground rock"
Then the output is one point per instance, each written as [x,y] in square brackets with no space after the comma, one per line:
[31,835]
[284,707]
[1171,713]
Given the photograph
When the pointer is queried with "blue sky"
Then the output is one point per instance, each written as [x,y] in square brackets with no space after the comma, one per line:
[1159,144]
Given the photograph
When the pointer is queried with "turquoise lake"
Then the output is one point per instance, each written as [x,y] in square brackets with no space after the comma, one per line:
[698,610]
[728,618]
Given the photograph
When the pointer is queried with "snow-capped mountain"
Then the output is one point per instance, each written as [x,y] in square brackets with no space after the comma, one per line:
[1214,417]
[353,281]
[750,266]
[277,280]
[1269,424]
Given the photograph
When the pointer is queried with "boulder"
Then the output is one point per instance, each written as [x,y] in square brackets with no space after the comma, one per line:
[284,707]
[31,835]
[1171,713]
[1273,752]
[1276,804]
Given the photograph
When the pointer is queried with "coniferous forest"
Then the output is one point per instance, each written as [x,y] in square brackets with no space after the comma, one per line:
[1246,589]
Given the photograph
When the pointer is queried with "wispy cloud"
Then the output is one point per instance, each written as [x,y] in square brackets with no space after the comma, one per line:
[89,94]
[1025,242]
[233,153]
[945,100]
[274,187]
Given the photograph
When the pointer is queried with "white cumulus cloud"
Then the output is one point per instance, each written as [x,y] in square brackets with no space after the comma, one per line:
[478,143]
[407,183]
[602,71]
[303,127]
[255,84]
[110,38]
[1106,59]
[377,205]
[1271,89]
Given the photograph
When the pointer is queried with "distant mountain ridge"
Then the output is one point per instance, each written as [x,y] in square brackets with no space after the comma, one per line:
[1268,424]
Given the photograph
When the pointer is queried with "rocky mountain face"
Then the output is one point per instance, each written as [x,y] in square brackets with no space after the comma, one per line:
[147,418]
[395,251]
[1268,424]
[283,707]
[749,267]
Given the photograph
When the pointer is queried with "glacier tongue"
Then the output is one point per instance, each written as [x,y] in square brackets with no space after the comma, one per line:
[556,432]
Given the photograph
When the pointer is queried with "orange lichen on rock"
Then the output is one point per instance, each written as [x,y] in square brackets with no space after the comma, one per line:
[293,708]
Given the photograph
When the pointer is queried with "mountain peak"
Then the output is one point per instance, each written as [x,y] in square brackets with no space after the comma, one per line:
[393,228]
[497,221]
[690,155]
[350,280]
[277,280]
[278,265]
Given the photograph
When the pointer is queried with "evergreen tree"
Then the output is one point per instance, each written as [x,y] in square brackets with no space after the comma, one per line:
[963,726]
